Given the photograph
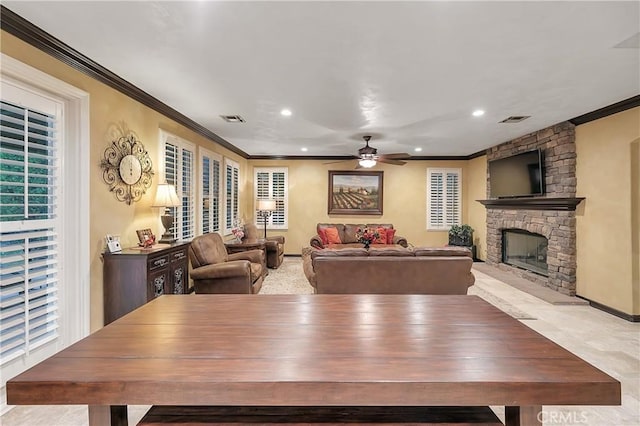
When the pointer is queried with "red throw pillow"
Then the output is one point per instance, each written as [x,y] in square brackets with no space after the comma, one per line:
[390,234]
[323,236]
[332,236]
[382,238]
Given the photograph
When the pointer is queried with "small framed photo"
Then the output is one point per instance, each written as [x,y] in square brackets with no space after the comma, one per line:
[145,236]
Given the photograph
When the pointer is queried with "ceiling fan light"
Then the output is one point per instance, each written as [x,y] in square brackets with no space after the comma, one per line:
[367,163]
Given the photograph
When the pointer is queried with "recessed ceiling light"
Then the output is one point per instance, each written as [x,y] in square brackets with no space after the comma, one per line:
[304,149]
[477,113]
[286,112]
[418,149]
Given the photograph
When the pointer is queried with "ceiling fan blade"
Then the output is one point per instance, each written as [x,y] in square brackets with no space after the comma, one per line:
[390,161]
[396,156]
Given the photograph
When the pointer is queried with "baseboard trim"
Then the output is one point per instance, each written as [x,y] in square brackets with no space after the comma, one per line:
[612,311]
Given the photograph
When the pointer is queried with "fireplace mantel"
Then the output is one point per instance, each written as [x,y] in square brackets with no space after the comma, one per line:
[534,203]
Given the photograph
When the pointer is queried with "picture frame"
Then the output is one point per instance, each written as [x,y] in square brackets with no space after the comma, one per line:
[354,192]
[144,235]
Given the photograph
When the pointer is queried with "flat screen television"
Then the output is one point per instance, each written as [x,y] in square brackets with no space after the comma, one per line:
[519,175]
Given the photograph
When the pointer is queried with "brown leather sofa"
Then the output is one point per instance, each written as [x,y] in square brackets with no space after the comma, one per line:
[215,271]
[392,270]
[347,234]
[274,245]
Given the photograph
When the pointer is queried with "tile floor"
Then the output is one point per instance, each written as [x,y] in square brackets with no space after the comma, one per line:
[608,342]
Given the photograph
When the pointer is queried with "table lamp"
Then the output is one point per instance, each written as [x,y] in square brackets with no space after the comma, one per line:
[265,207]
[166,197]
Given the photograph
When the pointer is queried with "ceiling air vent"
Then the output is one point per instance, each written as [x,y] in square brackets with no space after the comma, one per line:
[515,118]
[232,118]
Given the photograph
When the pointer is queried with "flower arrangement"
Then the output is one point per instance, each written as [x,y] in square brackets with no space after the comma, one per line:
[237,232]
[366,236]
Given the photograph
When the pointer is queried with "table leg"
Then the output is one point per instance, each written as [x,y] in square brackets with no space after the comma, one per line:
[108,415]
[528,415]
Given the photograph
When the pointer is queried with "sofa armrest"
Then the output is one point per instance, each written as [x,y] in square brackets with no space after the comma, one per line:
[400,241]
[277,238]
[316,242]
[236,268]
[253,256]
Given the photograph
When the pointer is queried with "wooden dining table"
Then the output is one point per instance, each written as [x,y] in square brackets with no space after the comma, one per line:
[315,350]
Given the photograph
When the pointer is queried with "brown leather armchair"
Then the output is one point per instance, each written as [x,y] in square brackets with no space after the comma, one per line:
[215,271]
[274,245]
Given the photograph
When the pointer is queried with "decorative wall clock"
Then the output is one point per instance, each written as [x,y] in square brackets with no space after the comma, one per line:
[127,168]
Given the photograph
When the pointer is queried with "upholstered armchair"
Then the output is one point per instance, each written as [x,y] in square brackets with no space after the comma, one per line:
[215,271]
[274,245]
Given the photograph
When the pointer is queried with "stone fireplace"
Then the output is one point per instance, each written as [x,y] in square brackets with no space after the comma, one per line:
[551,216]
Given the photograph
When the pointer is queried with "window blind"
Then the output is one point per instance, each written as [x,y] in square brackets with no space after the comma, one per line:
[28,241]
[232,176]
[210,199]
[444,195]
[179,171]
[272,183]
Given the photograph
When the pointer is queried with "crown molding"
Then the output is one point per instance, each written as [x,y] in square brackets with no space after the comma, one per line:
[16,25]
[624,105]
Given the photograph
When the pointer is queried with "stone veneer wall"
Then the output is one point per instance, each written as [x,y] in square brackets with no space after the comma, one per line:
[559,227]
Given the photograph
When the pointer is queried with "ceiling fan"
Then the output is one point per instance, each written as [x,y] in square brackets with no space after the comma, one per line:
[368,156]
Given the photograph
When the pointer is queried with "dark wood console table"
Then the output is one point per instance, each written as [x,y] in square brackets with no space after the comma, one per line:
[135,276]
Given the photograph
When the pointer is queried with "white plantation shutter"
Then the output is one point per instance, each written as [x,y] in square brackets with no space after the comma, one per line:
[29,252]
[179,162]
[210,191]
[187,216]
[272,183]
[231,183]
[444,197]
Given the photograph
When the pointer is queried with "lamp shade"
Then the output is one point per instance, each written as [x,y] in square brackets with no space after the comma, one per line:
[266,205]
[166,196]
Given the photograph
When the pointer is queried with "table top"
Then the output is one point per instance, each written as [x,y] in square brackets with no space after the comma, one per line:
[315,350]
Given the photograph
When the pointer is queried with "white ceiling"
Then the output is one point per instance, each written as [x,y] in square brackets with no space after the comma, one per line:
[410,73]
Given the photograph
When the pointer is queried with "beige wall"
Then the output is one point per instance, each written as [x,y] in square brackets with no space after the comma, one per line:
[608,228]
[109,107]
[476,189]
[404,199]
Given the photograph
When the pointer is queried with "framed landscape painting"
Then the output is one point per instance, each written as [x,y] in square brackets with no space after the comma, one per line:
[353,192]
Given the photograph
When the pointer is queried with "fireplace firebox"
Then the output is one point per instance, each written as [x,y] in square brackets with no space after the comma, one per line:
[525,250]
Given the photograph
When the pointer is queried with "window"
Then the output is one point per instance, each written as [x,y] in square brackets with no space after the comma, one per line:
[444,196]
[231,184]
[179,165]
[210,191]
[272,183]
[44,276]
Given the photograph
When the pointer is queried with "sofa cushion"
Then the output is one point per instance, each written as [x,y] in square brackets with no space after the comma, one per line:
[322,232]
[345,252]
[332,235]
[442,251]
[350,231]
[338,226]
[396,251]
[382,236]
[390,234]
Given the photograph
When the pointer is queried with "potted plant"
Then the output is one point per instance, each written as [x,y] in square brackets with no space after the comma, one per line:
[461,235]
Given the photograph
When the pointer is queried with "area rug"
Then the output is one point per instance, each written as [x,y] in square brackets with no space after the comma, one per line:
[289,279]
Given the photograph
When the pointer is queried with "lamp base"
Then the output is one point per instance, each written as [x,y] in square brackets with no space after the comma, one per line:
[167,223]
